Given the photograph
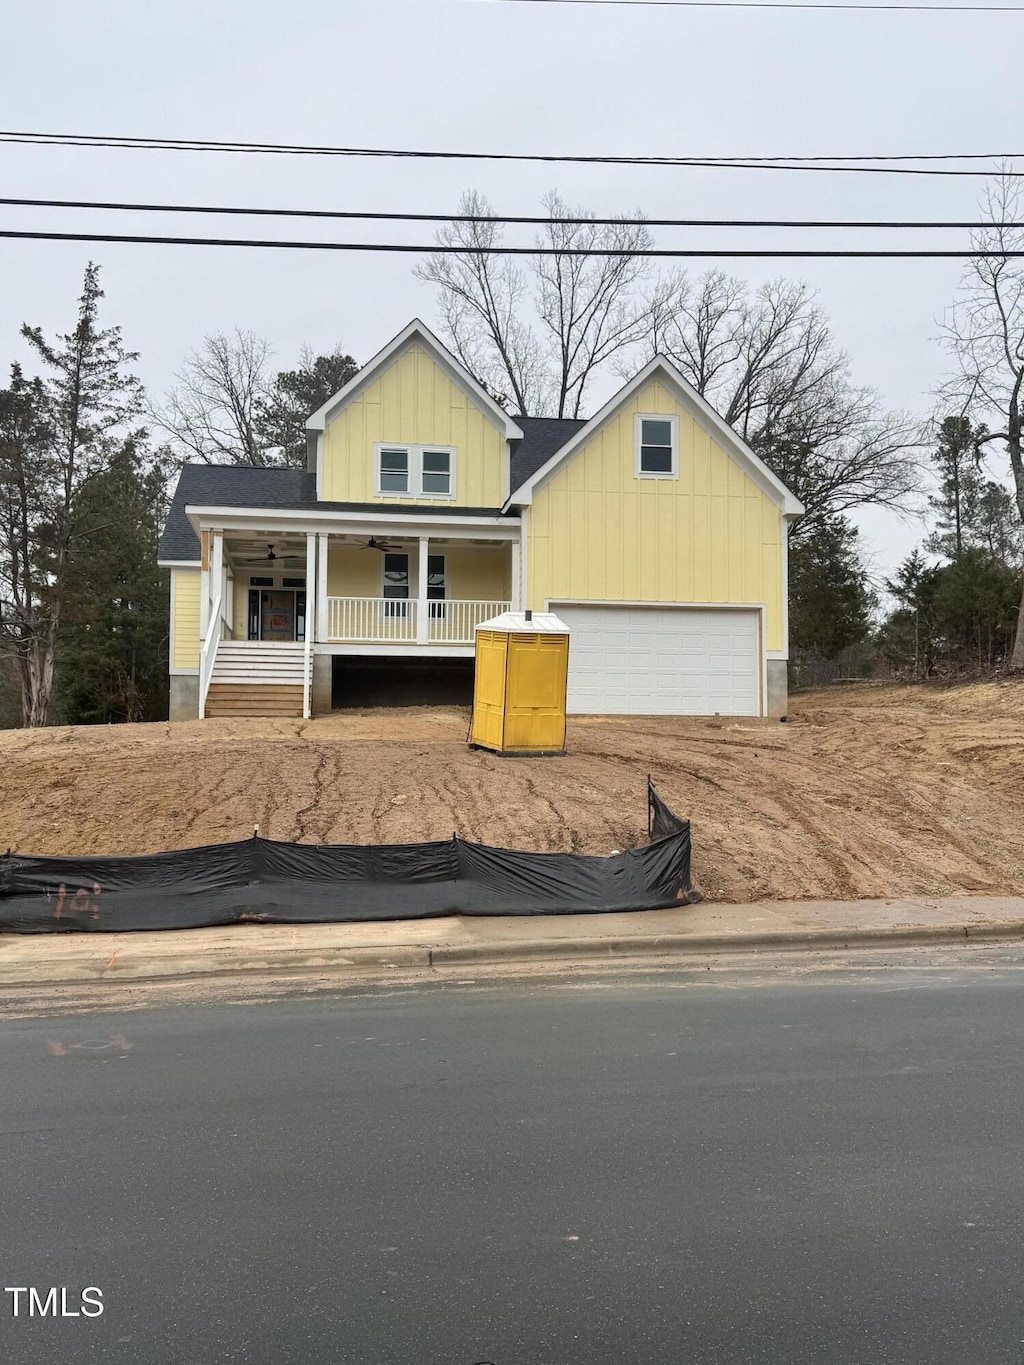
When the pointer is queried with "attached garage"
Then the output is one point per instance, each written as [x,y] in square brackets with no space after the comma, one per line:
[662,660]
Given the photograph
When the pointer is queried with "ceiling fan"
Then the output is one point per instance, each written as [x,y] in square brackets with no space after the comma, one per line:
[270,552]
[374,544]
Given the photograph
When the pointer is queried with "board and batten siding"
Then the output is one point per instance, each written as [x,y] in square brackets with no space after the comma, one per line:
[471,572]
[599,533]
[414,402]
[354,572]
[185,597]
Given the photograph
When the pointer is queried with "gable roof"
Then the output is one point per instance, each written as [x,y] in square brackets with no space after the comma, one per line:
[701,411]
[415,331]
[542,437]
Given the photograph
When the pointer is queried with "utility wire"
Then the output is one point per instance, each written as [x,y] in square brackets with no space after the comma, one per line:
[777,4]
[411,249]
[497,218]
[775,163]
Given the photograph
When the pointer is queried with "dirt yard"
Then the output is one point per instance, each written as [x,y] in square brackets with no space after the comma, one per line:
[867,791]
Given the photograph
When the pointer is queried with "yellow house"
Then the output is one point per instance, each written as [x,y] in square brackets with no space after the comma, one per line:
[652,530]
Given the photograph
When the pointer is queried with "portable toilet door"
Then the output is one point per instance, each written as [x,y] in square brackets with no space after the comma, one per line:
[522,661]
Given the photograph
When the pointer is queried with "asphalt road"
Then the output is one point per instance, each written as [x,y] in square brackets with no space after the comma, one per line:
[784,1167]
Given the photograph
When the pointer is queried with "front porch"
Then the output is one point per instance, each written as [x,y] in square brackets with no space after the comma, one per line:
[276,607]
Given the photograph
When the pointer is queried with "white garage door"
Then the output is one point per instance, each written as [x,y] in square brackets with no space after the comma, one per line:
[668,661]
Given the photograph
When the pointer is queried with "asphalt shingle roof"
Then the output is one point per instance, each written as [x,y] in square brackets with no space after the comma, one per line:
[542,436]
[250,486]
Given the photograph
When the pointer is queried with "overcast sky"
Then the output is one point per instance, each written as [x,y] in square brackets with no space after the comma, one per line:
[484,75]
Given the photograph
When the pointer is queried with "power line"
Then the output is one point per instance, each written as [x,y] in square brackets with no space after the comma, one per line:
[777,4]
[116,142]
[418,250]
[496,218]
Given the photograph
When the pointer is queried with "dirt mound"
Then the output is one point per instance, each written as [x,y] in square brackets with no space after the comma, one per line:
[867,791]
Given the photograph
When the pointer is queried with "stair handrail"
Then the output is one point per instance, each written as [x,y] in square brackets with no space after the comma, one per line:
[208,653]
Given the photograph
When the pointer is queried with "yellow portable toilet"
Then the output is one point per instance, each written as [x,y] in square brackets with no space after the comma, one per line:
[522,660]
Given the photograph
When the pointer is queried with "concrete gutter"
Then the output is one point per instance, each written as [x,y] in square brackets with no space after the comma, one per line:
[443,946]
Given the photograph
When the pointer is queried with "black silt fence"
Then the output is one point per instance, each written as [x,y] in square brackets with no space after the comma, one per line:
[280,883]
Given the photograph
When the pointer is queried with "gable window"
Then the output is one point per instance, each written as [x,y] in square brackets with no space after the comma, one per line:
[657,447]
[415,471]
[393,470]
[437,473]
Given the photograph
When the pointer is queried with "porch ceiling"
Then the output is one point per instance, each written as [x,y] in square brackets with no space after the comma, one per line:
[250,552]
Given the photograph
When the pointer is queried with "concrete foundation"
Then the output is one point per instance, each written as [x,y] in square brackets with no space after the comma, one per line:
[320,700]
[184,698]
[778,687]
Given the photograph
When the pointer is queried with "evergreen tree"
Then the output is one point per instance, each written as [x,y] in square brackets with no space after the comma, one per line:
[294,396]
[112,657]
[975,609]
[829,598]
[908,636]
[960,487]
[56,436]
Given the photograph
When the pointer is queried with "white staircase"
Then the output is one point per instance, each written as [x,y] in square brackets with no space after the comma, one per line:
[257,678]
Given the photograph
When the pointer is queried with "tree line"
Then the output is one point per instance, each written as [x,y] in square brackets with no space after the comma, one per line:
[87,464]
[87,459]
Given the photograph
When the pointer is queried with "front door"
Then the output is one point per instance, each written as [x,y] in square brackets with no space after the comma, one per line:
[277,615]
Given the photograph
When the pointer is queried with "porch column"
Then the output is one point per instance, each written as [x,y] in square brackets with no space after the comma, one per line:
[422,617]
[517,580]
[312,606]
[217,569]
[204,583]
[321,589]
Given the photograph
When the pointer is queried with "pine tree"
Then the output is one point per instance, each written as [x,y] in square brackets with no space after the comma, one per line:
[960,487]
[80,425]
[112,657]
[829,598]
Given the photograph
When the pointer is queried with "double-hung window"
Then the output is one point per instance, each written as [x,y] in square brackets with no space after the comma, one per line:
[657,447]
[415,471]
[396,584]
[393,469]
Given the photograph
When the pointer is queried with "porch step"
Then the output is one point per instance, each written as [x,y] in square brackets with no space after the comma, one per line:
[254,661]
[254,699]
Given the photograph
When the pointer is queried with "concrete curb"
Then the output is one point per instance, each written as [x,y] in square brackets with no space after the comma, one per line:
[686,945]
[70,969]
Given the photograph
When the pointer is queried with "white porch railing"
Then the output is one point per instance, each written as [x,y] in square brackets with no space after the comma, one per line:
[379,620]
[454,622]
[370,619]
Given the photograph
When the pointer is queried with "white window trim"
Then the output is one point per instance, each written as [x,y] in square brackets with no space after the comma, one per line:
[415,458]
[638,429]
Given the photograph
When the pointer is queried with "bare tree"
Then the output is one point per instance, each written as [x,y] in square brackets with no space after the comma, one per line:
[985,333]
[766,361]
[587,310]
[589,305]
[213,412]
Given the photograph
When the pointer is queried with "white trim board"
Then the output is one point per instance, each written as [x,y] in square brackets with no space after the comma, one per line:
[383,523]
[702,413]
[413,332]
[385,650]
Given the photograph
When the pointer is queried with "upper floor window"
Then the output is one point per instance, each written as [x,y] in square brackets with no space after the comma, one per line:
[415,471]
[657,447]
[393,471]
